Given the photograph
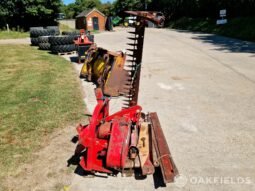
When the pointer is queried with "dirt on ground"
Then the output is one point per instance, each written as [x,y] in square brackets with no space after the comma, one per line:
[48,168]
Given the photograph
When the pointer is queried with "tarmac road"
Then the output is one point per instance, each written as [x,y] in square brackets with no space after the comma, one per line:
[203,89]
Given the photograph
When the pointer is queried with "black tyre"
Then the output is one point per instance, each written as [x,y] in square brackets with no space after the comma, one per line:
[41,32]
[34,41]
[63,48]
[71,33]
[54,28]
[43,39]
[61,40]
[44,46]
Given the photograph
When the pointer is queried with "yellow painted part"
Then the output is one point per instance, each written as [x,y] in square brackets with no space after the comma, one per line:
[84,69]
[126,24]
[98,67]
[66,188]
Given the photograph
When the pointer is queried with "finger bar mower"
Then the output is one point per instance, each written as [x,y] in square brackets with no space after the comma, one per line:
[129,141]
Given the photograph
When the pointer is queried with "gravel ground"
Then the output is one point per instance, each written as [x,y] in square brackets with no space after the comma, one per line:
[203,89]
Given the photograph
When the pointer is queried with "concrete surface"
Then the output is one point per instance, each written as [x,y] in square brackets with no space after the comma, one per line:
[203,89]
[68,22]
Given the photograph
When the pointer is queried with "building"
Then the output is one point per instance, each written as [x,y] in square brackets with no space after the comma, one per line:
[91,19]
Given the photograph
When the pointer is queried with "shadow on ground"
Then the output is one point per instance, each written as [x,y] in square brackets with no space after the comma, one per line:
[75,160]
[227,44]
[74,59]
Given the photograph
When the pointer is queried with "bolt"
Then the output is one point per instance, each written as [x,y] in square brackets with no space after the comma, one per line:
[143,140]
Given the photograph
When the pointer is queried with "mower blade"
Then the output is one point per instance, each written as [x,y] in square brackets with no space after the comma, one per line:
[131,32]
[131,55]
[164,158]
[132,50]
[132,44]
[133,60]
[132,38]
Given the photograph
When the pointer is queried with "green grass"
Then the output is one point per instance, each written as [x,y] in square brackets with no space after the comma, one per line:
[241,28]
[39,92]
[13,35]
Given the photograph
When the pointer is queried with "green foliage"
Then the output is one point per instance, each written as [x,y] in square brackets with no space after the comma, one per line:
[168,7]
[28,13]
[241,28]
[108,9]
[87,4]
[174,9]
[70,10]
[73,9]
[125,5]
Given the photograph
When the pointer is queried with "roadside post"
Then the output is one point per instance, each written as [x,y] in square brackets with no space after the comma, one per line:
[7,27]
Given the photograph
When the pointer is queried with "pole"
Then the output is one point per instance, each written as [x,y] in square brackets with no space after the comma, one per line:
[7,26]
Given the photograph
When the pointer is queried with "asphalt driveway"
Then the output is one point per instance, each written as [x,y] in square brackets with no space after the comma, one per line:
[203,88]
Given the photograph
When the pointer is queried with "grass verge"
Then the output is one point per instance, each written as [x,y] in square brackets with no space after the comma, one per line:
[13,35]
[241,28]
[39,93]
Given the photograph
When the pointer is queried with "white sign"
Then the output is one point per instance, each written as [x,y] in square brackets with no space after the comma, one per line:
[223,13]
[222,22]
[90,22]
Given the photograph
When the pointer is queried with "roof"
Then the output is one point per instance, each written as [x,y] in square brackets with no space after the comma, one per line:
[85,13]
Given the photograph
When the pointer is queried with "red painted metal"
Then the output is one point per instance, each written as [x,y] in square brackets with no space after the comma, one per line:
[82,39]
[128,139]
[82,45]
[93,137]
[119,143]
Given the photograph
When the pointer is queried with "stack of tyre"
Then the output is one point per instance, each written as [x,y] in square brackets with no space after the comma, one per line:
[49,39]
[40,36]
[64,43]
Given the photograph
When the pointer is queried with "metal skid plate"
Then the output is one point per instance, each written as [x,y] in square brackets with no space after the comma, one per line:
[163,155]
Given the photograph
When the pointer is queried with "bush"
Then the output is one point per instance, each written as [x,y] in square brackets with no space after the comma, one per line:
[241,28]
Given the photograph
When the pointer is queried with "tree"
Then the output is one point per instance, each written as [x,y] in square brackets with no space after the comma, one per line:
[203,8]
[108,9]
[88,4]
[127,5]
[70,10]
[169,7]
[73,9]
[26,13]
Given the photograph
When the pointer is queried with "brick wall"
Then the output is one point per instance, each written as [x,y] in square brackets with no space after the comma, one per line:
[101,21]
